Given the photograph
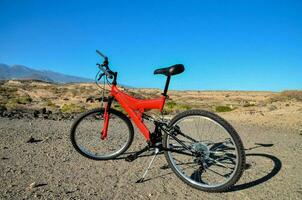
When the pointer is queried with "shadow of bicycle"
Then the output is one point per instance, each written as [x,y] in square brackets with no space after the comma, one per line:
[277,165]
[271,171]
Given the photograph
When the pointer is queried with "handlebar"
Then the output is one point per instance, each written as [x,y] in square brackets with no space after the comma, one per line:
[105,65]
[102,55]
[105,68]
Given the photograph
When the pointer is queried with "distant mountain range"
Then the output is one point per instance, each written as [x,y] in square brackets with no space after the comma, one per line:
[22,72]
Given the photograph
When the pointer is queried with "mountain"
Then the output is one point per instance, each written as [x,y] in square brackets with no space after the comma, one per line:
[25,73]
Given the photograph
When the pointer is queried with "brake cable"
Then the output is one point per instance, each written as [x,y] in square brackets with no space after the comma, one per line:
[102,88]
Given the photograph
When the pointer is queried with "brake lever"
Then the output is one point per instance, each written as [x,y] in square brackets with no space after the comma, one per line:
[107,72]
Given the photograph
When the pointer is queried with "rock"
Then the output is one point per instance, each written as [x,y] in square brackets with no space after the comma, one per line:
[90,99]
[37,195]
[2,109]
[247,166]
[32,185]
[36,113]
[5,114]
[15,114]
[43,110]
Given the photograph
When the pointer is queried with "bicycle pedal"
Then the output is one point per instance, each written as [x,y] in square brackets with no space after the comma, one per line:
[130,158]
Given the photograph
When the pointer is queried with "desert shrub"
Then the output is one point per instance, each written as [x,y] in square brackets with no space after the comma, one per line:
[12,104]
[292,94]
[24,99]
[15,102]
[249,104]
[173,107]
[170,104]
[272,107]
[4,89]
[286,95]
[119,108]
[50,104]
[74,92]
[83,90]
[223,109]
[72,108]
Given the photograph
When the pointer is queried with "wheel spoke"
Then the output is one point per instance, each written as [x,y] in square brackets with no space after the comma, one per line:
[217,173]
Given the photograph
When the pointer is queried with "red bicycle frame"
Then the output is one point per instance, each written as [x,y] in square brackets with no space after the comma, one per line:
[135,109]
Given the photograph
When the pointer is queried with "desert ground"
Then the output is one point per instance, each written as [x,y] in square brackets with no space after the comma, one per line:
[39,162]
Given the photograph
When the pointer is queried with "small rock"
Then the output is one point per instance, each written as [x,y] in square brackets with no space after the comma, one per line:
[37,195]
[36,114]
[43,110]
[32,185]
[247,166]
[2,109]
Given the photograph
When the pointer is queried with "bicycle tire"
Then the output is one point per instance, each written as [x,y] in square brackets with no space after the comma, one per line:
[240,150]
[120,115]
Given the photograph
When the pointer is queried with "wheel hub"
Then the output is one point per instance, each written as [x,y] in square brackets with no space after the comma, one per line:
[202,150]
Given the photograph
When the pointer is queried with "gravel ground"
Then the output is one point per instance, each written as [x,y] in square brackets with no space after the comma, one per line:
[50,168]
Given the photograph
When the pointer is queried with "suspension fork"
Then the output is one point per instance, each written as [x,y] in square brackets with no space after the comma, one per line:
[106,118]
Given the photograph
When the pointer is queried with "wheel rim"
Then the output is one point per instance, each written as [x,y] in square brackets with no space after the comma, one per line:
[88,136]
[217,159]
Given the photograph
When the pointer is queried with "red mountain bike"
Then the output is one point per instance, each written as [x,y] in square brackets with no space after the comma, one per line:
[201,148]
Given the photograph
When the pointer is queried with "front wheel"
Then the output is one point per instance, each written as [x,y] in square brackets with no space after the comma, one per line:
[205,151]
[86,134]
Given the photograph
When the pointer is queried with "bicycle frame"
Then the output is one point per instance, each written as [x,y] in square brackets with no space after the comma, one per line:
[134,108]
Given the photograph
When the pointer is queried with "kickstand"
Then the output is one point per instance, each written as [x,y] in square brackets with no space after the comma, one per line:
[156,151]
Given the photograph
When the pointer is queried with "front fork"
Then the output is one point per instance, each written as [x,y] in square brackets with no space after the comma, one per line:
[106,118]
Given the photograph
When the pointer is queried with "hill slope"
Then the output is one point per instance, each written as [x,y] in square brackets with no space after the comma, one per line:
[22,72]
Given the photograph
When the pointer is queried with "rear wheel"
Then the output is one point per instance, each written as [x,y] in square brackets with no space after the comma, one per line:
[209,153]
[86,134]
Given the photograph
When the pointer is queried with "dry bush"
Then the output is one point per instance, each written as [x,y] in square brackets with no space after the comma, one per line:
[223,108]
[72,108]
[292,94]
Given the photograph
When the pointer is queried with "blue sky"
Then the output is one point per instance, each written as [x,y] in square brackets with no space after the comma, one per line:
[224,45]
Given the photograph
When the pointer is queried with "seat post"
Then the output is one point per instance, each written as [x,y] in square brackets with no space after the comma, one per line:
[166,86]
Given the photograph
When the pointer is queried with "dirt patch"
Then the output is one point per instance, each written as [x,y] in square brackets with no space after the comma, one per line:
[52,169]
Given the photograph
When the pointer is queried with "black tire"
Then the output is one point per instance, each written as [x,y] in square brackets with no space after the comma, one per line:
[128,127]
[240,163]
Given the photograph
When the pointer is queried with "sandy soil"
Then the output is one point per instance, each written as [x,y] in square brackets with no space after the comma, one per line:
[51,169]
